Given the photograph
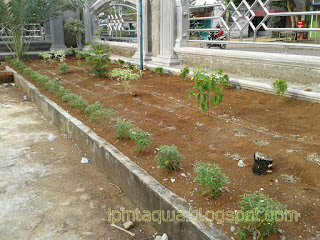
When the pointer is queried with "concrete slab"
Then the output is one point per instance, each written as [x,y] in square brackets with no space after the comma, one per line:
[45,190]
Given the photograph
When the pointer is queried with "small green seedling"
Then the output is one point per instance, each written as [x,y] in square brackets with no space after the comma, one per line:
[78,103]
[159,71]
[123,129]
[209,88]
[69,97]
[261,213]
[92,108]
[142,139]
[210,178]
[120,63]
[45,56]
[99,59]
[168,157]
[53,85]
[183,74]
[101,115]
[280,87]
[63,68]
[61,92]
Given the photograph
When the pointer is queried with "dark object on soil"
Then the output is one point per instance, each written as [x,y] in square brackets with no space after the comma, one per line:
[262,164]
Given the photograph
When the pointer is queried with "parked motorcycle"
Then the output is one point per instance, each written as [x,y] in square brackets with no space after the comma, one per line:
[217,37]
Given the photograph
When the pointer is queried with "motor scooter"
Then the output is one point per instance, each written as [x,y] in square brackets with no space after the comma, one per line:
[212,36]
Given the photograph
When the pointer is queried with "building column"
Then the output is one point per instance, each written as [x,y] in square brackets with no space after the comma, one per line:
[57,34]
[146,31]
[168,33]
[182,23]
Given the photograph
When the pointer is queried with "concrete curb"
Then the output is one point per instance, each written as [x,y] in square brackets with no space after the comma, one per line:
[138,185]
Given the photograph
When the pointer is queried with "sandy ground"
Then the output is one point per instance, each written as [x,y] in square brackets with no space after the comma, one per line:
[45,191]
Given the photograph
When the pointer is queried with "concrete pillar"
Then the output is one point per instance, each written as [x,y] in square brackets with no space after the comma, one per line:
[182,23]
[57,34]
[46,26]
[168,21]
[87,19]
[146,31]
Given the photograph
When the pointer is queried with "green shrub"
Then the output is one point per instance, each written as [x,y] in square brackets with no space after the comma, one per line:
[168,157]
[101,115]
[53,85]
[210,178]
[142,139]
[280,87]
[183,74]
[120,63]
[93,107]
[262,220]
[78,103]
[159,71]
[45,56]
[99,59]
[63,68]
[209,87]
[123,129]
[39,79]
[123,74]
[27,71]
[61,92]
[69,97]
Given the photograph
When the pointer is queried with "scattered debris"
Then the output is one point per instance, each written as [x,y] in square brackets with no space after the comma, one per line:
[292,150]
[84,160]
[25,98]
[240,135]
[128,225]
[166,179]
[171,128]
[314,157]
[262,164]
[235,156]
[122,208]
[241,164]
[122,229]
[199,124]
[232,229]
[51,137]
[172,180]
[212,147]
[52,149]
[290,178]
[183,175]
[164,237]
[261,142]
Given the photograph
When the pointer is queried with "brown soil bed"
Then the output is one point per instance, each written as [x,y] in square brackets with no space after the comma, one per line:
[244,118]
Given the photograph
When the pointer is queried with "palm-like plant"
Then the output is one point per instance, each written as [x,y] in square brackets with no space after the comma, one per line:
[15,15]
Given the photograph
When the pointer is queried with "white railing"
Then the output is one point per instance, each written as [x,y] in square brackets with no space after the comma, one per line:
[35,33]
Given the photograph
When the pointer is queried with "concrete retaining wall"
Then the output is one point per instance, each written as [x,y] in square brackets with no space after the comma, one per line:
[138,185]
[292,68]
[119,48]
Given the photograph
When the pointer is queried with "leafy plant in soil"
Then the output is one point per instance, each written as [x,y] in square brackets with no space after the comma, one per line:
[101,115]
[120,62]
[69,97]
[159,71]
[209,88]
[142,139]
[27,71]
[280,87]
[168,157]
[59,54]
[78,103]
[210,178]
[53,85]
[183,74]
[260,215]
[62,92]
[123,129]
[63,68]
[93,107]
[126,76]
[45,57]
[99,59]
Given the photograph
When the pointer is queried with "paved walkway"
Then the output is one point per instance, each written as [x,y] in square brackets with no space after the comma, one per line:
[45,190]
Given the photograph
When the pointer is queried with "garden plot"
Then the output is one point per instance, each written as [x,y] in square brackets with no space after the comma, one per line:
[244,123]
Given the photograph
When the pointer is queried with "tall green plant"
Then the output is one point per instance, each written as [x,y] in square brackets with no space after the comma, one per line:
[99,59]
[76,28]
[209,88]
[15,15]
